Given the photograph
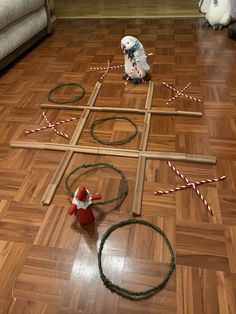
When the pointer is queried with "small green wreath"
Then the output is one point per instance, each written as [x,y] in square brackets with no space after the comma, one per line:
[135,295]
[120,142]
[70,100]
[101,165]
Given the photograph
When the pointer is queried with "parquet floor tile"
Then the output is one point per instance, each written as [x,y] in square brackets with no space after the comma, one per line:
[202,245]
[206,288]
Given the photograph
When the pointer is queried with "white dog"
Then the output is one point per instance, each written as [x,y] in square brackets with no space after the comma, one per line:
[136,66]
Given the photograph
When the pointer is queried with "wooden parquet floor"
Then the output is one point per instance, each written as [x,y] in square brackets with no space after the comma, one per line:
[48,264]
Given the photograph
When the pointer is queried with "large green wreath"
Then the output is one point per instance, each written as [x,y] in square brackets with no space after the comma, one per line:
[119,142]
[101,165]
[70,100]
[125,292]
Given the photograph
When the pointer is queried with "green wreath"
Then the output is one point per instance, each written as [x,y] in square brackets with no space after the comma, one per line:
[100,165]
[136,295]
[120,142]
[70,100]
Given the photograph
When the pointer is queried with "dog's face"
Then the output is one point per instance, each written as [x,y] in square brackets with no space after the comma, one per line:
[128,42]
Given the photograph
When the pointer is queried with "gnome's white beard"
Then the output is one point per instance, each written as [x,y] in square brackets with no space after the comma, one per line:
[80,204]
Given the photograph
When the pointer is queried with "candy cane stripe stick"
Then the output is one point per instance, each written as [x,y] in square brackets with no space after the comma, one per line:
[180,93]
[132,70]
[106,69]
[174,89]
[56,131]
[193,186]
[188,185]
[49,127]
[190,97]
[203,199]
[177,95]
[105,73]
[177,172]
[134,67]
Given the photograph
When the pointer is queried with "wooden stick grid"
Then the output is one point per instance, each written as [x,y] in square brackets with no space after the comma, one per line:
[142,154]
[47,198]
[115,152]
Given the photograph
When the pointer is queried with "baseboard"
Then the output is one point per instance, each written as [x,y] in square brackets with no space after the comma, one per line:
[197,15]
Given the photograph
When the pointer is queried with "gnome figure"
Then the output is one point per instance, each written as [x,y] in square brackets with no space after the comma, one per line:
[136,65]
[81,205]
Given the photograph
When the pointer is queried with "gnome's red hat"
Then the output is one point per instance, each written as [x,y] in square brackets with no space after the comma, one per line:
[82,194]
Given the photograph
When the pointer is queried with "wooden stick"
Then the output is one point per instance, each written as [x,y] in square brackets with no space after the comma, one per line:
[115,152]
[131,110]
[144,139]
[79,129]
[50,191]
[76,148]
[149,95]
[94,94]
[138,190]
[47,198]
[147,118]
[179,156]
[176,113]
[118,152]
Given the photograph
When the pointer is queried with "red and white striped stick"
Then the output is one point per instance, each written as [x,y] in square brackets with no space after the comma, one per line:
[134,68]
[52,127]
[189,185]
[105,73]
[191,97]
[180,93]
[193,186]
[174,89]
[49,127]
[106,69]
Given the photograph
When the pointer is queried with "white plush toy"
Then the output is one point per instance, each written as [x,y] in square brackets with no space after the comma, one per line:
[136,66]
[218,12]
[203,5]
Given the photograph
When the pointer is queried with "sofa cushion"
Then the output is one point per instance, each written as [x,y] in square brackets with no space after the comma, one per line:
[20,31]
[11,10]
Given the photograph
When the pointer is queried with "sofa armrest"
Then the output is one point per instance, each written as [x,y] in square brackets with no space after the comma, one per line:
[49,23]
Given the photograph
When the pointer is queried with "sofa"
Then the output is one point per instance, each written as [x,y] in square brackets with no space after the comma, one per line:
[22,24]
